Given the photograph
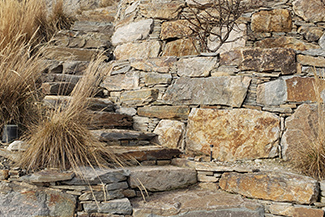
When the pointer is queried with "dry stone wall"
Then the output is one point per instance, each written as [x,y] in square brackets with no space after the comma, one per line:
[240,99]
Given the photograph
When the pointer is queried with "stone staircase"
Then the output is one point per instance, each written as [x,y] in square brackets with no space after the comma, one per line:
[68,58]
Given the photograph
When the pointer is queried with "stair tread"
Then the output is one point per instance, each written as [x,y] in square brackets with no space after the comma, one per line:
[122,134]
[68,54]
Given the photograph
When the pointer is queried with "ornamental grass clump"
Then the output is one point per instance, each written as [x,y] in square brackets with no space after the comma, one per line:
[309,157]
[19,72]
[62,139]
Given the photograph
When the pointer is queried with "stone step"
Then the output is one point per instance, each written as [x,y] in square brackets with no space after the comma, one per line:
[70,54]
[109,120]
[51,77]
[105,14]
[124,137]
[77,39]
[91,26]
[161,178]
[95,104]
[57,88]
[145,153]
[196,203]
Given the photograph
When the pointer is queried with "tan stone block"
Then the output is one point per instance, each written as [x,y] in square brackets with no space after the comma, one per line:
[310,10]
[285,42]
[311,61]
[166,10]
[180,47]
[170,133]
[142,50]
[175,29]
[235,134]
[272,186]
[159,64]
[165,112]
[277,20]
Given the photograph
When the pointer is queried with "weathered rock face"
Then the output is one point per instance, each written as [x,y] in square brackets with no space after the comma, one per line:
[196,203]
[160,64]
[311,61]
[272,186]
[134,31]
[287,89]
[180,47]
[28,200]
[310,10]
[286,42]
[224,90]
[118,206]
[236,39]
[152,78]
[272,93]
[49,175]
[164,112]
[175,29]
[165,10]
[139,97]
[127,81]
[301,130]
[161,178]
[278,20]
[261,60]
[141,50]
[235,134]
[170,133]
[196,66]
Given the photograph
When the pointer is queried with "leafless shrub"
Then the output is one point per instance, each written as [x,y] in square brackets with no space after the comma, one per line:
[213,20]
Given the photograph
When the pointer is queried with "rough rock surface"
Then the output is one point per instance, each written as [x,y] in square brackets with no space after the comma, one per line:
[235,134]
[301,130]
[28,200]
[180,47]
[134,31]
[286,42]
[310,10]
[165,9]
[196,66]
[204,203]
[224,90]
[161,178]
[118,206]
[127,81]
[175,29]
[170,133]
[261,60]
[141,50]
[272,186]
[159,64]
[278,20]
[139,97]
[164,112]
[49,175]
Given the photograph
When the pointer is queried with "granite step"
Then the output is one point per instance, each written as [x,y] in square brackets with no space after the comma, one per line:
[78,39]
[145,153]
[70,54]
[57,88]
[109,120]
[95,104]
[122,137]
[93,26]
[104,14]
[51,77]
[194,203]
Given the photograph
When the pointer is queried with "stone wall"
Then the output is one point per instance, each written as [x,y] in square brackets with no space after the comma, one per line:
[243,100]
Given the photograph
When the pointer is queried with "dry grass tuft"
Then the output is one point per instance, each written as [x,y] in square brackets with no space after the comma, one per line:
[309,157]
[29,19]
[62,140]
[19,72]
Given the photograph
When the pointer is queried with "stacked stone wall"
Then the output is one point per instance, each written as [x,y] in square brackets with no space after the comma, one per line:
[239,99]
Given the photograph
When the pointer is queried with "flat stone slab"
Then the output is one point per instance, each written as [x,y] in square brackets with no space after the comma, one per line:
[143,153]
[48,175]
[93,176]
[106,135]
[203,203]
[161,178]
[118,206]
[282,187]
[103,119]
[27,200]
